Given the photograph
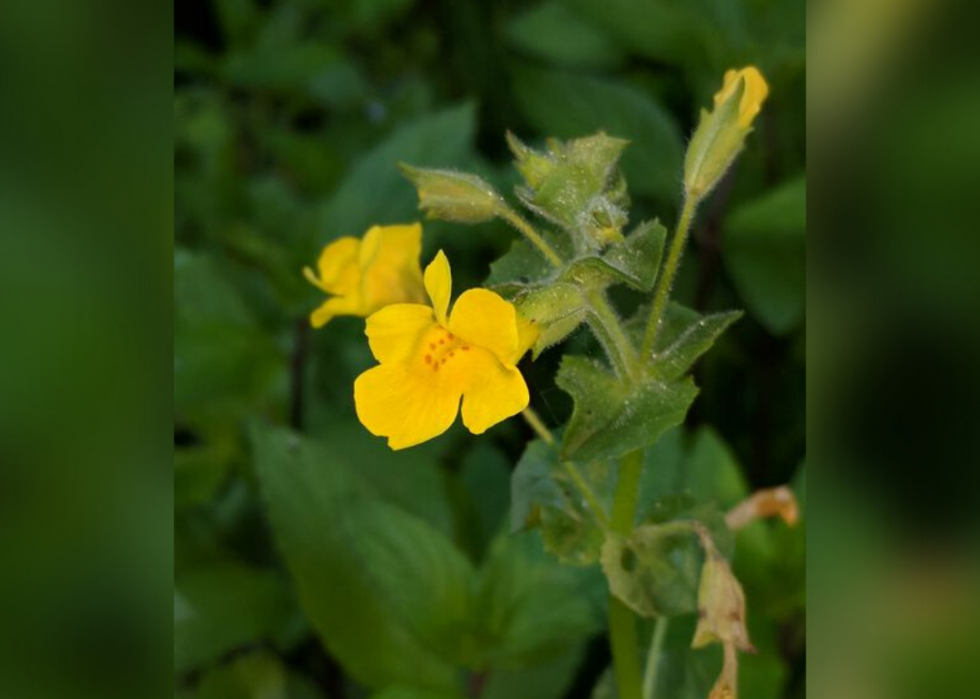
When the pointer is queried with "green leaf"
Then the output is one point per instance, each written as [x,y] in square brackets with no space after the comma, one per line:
[548,680]
[567,106]
[314,502]
[531,606]
[544,494]
[222,356]
[374,192]
[612,417]
[635,261]
[409,692]
[685,336]
[557,34]
[764,249]
[520,269]
[655,570]
[255,676]
[224,606]
[484,479]
[422,578]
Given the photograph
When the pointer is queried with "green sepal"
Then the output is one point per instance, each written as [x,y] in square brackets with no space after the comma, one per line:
[576,185]
[544,495]
[611,416]
[448,195]
[714,145]
[556,309]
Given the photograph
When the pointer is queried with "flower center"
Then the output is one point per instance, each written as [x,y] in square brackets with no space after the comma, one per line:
[440,347]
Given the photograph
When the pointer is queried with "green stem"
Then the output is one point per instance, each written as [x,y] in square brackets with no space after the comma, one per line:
[588,494]
[667,274]
[653,657]
[622,623]
[528,231]
[608,328]
[538,425]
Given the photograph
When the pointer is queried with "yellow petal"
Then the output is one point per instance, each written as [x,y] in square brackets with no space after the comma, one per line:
[336,306]
[396,331]
[484,319]
[339,271]
[493,393]
[390,265]
[755,92]
[439,284]
[527,335]
[403,404]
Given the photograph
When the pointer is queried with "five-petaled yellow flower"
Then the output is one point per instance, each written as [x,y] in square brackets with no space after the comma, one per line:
[431,359]
[364,275]
[756,91]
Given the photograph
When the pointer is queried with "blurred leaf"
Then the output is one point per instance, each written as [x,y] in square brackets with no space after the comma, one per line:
[221,354]
[567,106]
[227,605]
[532,607]
[255,676]
[613,416]
[374,192]
[485,480]
[410,479]
[689,33]
[239,19]
[553,32]
[408,692]
[423,580]
[548,680]
[314,503]
[764,249]
[544,494]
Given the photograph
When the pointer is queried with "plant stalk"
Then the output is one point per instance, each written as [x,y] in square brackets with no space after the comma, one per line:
[537,424]
[667,274]
[528,231]
[653,657]
[622,622]
[608,328]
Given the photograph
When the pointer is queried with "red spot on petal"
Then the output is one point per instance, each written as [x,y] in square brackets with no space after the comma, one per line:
[442,361]
[435,367]
[450,336]
[451,353]
[465,348]
[432,345]
[428,359]
[442,342]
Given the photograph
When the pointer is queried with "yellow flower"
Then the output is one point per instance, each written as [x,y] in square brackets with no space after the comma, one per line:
[431,359]
[756,91]
[364,275]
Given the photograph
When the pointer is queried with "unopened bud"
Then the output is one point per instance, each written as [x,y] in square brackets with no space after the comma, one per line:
[721,132]
[453,196]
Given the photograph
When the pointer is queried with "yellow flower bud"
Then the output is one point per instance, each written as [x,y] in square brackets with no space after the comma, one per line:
[721,132]
[755,93]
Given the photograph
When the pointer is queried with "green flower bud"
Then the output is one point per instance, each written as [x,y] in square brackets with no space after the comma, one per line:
[453,196]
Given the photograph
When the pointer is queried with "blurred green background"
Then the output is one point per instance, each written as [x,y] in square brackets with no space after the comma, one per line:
[289,118]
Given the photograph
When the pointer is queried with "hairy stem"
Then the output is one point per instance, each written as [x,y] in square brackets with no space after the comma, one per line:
[587,493]
[528,231]
[609,330]
[666,279]
[537,424]
[622,623]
